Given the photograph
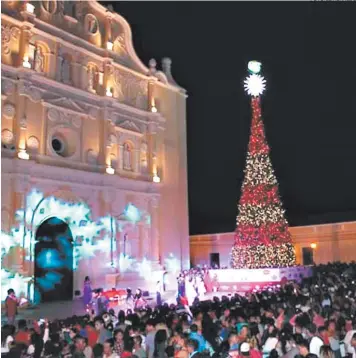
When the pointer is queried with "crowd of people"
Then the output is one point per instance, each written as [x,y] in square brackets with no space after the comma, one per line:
[313,319]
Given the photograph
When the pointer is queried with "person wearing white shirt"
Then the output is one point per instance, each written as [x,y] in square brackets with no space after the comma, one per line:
[7,337]
[352,346]
[347,340]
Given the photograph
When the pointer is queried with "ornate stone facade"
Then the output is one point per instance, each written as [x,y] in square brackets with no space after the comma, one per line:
[70,100]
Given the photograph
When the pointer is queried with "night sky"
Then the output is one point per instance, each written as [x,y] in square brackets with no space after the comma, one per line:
[308,51]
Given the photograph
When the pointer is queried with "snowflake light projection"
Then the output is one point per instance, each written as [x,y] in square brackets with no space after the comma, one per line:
[172,263]
[255,85]
[89,239]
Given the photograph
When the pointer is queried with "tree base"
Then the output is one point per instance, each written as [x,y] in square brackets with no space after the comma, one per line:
[262,256]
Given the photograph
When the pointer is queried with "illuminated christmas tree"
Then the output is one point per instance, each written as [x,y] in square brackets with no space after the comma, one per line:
[262,238]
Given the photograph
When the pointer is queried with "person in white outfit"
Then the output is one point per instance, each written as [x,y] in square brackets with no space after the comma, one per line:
[190,291]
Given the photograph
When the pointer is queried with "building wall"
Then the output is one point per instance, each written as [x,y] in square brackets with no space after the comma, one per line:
[121,126]
[334,242]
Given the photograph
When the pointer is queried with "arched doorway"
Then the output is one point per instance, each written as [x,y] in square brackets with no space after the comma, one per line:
[53,261]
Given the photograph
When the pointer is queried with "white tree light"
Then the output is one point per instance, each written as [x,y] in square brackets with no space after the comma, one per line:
[255,85]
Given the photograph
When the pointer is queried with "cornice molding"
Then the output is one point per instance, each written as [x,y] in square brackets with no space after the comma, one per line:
[15,168]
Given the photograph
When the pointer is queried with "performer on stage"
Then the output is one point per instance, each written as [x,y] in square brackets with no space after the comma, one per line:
[130,302]
[190,291]
[11,303]
[158,293]
[87,292]
[140,302]
[201,288]
[207,280]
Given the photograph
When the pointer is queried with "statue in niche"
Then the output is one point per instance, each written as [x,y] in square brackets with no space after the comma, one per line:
[143,156]
[65,71]
[127,157]
[91,79]
[91,24]
[39,60]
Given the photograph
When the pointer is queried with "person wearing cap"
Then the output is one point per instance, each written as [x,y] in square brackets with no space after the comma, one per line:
[247,351]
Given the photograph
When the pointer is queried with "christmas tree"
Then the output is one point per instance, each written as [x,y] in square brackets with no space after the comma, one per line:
[262,238]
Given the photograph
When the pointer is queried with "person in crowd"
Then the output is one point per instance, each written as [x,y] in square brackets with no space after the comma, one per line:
[195,335]
[104,334]
[326,352]
[118,341]
[108,349]
[286,321]
[193,348]
[7,338]
[315,341]
[138,349]
[150,337]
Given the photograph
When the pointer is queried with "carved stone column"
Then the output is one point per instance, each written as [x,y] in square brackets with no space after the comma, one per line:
[141,252]
[77,70]
[83,77]
[155,239]
[136,160]
[59,68]
[51,60]
[21,189]
[23,127]
[121,157]
[24,45]
[152,160]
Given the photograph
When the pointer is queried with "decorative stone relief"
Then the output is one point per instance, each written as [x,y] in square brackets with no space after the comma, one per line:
[91,24]
[129,125]
[32,92]
[8,111]
[112,139]
[50,6]
[93,113]
[92,157]
[130,89]
[56,116]
[23,122]
[53,115]
[8,33]
[119,44]
[7,87]
[33,143]
[7,137]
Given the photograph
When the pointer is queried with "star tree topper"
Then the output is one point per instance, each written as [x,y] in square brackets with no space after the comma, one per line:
[254,84]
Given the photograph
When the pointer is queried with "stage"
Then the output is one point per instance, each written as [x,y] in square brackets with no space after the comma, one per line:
[245,280]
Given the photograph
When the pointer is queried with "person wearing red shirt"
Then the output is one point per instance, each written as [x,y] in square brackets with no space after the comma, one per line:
[23,335]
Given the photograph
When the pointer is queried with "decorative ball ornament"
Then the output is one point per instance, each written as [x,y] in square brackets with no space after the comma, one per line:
[254,67]
[255,85]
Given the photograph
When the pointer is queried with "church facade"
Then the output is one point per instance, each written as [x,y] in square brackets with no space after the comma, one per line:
[92,140]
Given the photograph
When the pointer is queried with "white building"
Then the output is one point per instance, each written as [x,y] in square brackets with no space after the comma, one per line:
[94,138]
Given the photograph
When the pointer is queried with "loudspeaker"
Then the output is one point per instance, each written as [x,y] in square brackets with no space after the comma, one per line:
[308,256]
[215,260]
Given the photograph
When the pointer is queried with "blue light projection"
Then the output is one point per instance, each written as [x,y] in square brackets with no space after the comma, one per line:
[49,259]
[90,238]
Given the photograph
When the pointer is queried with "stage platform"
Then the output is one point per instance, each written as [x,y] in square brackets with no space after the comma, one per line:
[245,280]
